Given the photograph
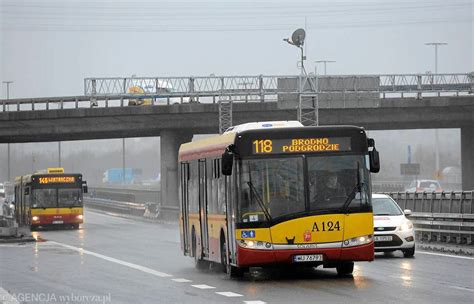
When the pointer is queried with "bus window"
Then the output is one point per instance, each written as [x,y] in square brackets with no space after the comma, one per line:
[44,198]
[69,197]
[333,179]
[271,185]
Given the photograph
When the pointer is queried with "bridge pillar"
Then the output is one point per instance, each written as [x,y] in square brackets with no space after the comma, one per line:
[467,157]
[169,146]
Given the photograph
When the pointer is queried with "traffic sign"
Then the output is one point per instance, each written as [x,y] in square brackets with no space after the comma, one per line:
[410,169]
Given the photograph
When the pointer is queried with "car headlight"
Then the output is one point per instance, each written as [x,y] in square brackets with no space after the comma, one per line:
[35,218]
[255,244]
[357,241]
[406,226]
[80,217]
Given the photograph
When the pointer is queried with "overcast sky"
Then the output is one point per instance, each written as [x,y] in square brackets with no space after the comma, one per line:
[48,47]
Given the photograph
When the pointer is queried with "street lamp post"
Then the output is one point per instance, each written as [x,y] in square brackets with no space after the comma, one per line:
[325,62]
[8,145]
[436,45]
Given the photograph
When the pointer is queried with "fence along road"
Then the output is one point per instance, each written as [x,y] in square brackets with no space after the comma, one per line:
[440,216]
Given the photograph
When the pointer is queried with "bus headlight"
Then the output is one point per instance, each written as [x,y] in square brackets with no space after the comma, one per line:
[35,218]
[357,241]
[255,244]
[80,217]
[406,226]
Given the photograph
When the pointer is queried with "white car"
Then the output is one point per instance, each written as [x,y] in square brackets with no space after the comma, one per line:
[392,230]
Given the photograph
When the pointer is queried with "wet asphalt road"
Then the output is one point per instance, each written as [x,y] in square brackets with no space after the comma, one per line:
[117,260]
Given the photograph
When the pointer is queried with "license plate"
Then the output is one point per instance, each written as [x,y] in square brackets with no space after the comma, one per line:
[308,258]
[58,222]
[383,238]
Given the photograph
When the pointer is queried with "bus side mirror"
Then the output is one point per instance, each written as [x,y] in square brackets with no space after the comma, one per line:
[85,189]
[27,191]
[374,160]
[227,162]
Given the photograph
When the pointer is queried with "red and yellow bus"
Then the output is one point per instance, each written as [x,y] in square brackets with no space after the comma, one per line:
[264,194]
[50,198]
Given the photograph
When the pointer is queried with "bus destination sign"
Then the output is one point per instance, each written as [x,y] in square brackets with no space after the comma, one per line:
[57,180]
[301,145]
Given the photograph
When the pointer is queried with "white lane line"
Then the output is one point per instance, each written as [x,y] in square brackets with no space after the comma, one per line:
[462,288]
[255,302]
[114,260]
[6,298]
[446,255]
[229,294]
[203,286]
[181,280]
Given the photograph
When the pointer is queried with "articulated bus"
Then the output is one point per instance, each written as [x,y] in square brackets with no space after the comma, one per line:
[50,198]
[268,194]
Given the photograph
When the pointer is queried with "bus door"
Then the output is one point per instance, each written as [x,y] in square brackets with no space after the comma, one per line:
[185,205]
[231,183]
[203,206]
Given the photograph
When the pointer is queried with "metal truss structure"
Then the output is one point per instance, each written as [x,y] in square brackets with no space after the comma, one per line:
[116,92]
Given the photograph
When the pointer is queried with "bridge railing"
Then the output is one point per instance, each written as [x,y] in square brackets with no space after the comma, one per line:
[269,85]
[117,92]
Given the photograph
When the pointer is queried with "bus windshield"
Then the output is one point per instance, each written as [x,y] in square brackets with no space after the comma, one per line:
[69,197]
[338,182]
[44,198]
[271,188]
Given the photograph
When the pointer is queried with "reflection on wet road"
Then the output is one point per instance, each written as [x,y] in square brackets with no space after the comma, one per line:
[137,262]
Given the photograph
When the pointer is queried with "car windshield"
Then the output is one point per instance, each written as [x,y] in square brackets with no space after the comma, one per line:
[44,198]
[385,206]
[429,184]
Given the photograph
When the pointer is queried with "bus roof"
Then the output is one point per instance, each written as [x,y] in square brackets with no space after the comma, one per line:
[214,146]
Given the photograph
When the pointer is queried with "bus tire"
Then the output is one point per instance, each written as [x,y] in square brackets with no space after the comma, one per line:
[345,268]
[231,271]
[75,226]
[199,263]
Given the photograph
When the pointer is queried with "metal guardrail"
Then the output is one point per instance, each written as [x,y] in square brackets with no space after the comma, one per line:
[440,216]
[115,206]
[150,210]
[114,92]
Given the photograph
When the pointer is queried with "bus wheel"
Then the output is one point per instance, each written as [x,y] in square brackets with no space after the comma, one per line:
[75,226]
[232,271]
[345,268]
[198,263]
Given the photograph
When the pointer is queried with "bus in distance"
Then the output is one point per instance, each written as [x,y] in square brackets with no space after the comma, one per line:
[50,198]
[271,195]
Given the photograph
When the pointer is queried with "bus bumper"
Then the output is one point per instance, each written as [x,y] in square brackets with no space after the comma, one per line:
[254,257]
[53,219]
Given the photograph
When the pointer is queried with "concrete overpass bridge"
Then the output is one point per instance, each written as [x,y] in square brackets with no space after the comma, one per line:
[199,105]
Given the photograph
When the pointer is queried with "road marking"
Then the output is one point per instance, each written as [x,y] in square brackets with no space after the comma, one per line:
[462,288]
[255,302]
[181,280]
[6,298]
[446,255]
[229,294]
[203,286]
[114,260]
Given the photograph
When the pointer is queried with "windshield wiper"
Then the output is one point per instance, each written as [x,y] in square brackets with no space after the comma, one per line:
[357,187]
[259,201]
